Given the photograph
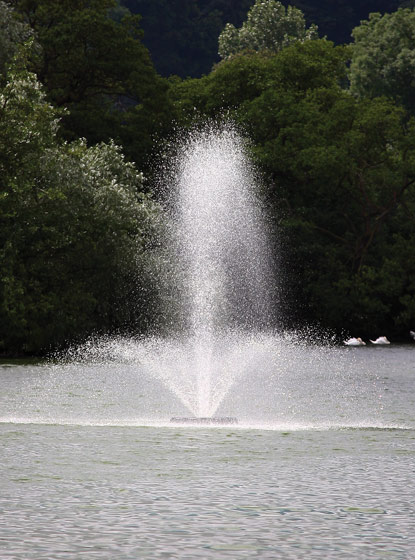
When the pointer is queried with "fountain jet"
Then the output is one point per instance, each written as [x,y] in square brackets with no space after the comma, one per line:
[222,258]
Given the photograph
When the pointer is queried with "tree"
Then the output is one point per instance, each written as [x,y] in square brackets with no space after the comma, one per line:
[12,34]
[344,178]
[340,180]
[182,35]
[269,26]
[99,69]
[237,81]
[74,232]
[383,59]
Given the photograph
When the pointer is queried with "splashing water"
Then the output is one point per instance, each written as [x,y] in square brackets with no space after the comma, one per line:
[222,245]
[221,354]
[222,258]
[219,277]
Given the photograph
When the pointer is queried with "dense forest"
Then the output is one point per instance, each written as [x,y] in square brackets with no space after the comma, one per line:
[90,88]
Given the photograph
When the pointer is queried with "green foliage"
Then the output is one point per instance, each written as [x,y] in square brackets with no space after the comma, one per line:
[78,239]
[344,171]
[99,70]
[12,34]
[74,228]
[341,180]
[383,61]
[235,82]
[269,26]
[182,35]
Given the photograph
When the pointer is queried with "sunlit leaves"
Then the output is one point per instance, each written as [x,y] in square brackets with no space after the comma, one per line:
[269,26]
[74,226]
[383,61]
[12,34]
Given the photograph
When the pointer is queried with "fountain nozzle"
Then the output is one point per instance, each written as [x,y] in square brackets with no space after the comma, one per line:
[209,420]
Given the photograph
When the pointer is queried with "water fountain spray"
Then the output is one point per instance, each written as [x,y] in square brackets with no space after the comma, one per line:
[221,252]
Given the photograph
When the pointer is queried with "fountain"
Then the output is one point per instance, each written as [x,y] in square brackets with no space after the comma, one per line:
[218,361]
[222,262]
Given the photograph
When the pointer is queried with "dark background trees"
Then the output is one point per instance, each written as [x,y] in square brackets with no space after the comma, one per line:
[182,35]
[76,228]
[340,173]
[82,111]
[100,71]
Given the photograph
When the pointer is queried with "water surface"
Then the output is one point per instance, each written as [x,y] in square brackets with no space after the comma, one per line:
[91,467]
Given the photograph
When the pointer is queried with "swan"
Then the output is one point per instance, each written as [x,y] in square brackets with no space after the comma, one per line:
[354,342]
[412,334]
[380,340]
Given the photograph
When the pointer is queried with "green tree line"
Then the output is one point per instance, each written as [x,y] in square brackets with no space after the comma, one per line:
[82,111]
[77,225]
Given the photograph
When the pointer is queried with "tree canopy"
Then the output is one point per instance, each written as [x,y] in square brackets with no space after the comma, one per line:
[340,174]
[182,35]
[74,227]
[12,34]
[80,245]
[99,69]
[383,61]
[269,26]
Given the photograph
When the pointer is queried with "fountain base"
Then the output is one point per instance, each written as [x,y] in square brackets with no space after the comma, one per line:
[209,420]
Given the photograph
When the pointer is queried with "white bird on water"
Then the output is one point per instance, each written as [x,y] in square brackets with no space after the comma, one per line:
[412,334]
[380,340]
[354,342]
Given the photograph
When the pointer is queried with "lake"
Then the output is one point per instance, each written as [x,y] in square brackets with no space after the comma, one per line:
[321,464]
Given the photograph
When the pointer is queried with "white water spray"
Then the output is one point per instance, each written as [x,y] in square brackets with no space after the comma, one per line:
[221,251]
[220,359]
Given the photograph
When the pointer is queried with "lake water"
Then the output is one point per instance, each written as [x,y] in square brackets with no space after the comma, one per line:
[321,465]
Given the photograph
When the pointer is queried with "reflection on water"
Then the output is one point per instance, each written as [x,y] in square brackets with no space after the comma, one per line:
[331,477]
